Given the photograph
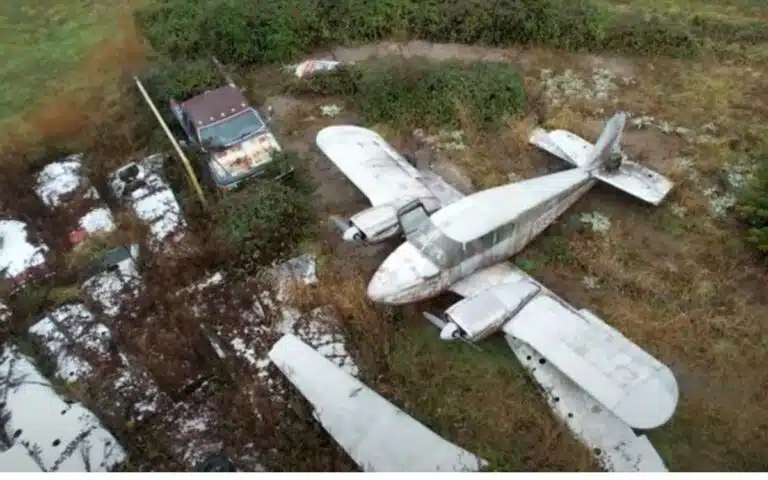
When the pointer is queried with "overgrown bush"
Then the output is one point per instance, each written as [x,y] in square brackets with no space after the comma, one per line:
[180,79]
[637,33]
[263,223]
[419,94]
[256,32]
[236,31]
[754,206]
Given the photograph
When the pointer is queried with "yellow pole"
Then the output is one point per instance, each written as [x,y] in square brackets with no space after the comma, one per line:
[184,159]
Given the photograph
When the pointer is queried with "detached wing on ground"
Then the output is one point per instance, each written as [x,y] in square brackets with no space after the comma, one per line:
[600,382]
[375,433]
[380,172]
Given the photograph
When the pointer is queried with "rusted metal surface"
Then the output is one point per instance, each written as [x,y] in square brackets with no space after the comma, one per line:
[215,105]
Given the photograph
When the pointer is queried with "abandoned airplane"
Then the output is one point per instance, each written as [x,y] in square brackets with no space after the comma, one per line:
[462,243]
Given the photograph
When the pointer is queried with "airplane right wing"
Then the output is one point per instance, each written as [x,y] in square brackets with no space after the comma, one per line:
[368,161]
[599,382]
[619,374]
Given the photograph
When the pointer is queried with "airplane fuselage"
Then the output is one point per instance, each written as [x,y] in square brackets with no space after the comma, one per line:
[429,262]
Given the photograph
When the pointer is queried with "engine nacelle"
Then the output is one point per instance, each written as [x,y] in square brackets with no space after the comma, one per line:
[377,224]
[372,225]
[483,314]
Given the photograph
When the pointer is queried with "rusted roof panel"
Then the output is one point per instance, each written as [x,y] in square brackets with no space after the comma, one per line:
[215,105]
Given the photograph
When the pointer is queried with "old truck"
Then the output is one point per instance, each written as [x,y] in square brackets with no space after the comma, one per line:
[234,139]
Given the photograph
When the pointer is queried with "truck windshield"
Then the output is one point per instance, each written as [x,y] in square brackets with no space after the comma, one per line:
[232,130]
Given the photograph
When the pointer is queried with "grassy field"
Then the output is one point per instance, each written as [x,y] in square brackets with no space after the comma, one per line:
[677,279]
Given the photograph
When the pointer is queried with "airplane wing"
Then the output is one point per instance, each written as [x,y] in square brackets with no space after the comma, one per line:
[376,434]
[620,375]
[380,172]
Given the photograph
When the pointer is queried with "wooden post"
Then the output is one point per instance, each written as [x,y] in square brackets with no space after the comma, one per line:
[184,159]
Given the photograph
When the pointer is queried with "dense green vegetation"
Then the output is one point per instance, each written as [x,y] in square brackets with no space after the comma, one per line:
[414,95]
[279,31]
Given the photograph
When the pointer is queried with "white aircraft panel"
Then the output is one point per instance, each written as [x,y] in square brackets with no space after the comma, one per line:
[18,459]
[371,164]
[611,440]
[620,375]
[375,433]
[486,278]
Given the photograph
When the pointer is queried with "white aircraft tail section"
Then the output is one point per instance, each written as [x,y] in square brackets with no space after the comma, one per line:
[605,161]
[376,434]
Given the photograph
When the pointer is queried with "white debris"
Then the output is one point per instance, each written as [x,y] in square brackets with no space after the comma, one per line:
[720,202]
[598,222]
[119,278]
[69,335]
[678,210]
[73,338]
[302,269]
[452,140]
[5,313]
[59,179]
[99,219]
[57,435]
[592,283]
[140,186]
[331,110]
[570,86]
[17,254]
[309,67]
[320,330]
[189,425]
[57,185]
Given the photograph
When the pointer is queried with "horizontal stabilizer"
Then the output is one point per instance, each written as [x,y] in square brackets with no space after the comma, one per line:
[630,177]
[628,381]
[638,181]
[376,434]
[564,145]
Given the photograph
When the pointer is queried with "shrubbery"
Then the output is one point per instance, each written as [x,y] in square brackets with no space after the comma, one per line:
[754,206]
[180,79]
[264,222]
[426,94]
[247,32]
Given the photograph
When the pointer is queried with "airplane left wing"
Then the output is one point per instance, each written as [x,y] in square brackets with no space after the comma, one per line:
[381,173]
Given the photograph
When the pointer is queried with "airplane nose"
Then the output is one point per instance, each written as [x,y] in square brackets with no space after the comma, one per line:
[389,286]
[400,276]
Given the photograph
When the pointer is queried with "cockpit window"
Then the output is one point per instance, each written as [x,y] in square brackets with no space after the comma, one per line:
[441,249]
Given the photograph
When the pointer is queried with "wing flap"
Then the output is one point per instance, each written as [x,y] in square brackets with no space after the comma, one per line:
[371,164]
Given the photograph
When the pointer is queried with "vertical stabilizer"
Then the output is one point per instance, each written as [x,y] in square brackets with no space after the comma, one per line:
[607,150]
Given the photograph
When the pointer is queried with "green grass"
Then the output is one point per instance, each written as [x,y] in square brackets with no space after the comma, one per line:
[481,400]
[730,8]
[42,42]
